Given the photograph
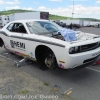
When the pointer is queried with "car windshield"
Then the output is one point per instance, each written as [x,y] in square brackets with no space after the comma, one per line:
[42,27]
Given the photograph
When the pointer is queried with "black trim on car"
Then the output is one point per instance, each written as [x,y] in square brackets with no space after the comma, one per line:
[47,42]
[89,47]
[4,33]
[36,40]
[19,37]
[89,60]
[88,63]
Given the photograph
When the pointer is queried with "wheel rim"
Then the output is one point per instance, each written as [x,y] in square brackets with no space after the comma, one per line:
[49,61]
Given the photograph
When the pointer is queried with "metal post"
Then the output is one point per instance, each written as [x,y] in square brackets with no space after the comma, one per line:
[73,9]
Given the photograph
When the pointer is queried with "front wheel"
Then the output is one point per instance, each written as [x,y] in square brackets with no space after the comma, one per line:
[50,60]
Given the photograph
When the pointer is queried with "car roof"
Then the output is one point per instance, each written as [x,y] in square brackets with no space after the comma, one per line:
[24,21]
[29,20]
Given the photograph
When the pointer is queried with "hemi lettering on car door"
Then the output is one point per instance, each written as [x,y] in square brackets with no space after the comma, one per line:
[17,45]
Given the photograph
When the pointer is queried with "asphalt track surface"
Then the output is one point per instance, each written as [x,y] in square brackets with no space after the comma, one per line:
[84,83]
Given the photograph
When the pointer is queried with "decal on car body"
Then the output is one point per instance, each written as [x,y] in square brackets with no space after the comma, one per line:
[37,40]
[61,66]
[17,45]
[47,42]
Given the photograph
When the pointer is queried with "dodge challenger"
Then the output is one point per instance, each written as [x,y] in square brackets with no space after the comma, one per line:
[46,42]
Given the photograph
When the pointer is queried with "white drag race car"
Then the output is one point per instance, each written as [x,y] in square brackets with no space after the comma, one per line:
[48,43]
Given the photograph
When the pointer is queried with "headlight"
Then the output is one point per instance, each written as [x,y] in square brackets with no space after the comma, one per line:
[74,50]
[71,50]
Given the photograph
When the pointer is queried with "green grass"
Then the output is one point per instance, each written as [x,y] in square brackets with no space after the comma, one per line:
[8,12]
[46,83]
[55,17]
[51,17]
[24,91]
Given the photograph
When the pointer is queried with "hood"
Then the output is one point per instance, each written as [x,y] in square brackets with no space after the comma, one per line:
[85,36]
[77,36]
[74,36]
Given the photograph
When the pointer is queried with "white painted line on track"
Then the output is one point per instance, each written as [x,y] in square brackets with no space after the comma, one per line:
[93,69]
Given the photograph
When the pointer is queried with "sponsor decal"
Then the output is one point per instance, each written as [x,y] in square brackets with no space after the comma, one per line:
[21,54]
[25,55]
[31,55]
[17,45]
[61,66]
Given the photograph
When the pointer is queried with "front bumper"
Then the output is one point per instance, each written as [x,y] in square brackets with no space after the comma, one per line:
[92,62]
[81,59]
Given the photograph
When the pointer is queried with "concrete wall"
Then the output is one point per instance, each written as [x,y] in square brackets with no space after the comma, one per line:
[86,23]
[93,23]
[68,22]
[12,17]
[23,16]
[27,15]
[81,22]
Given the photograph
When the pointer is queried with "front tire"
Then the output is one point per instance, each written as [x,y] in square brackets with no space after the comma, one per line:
[50,60]
[46,57]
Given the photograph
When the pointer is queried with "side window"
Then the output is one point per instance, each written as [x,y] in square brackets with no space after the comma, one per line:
[9,28]
[21,28]
[15,27]
[18,28]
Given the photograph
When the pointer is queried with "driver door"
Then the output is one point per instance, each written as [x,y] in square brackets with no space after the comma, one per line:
[17,41]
